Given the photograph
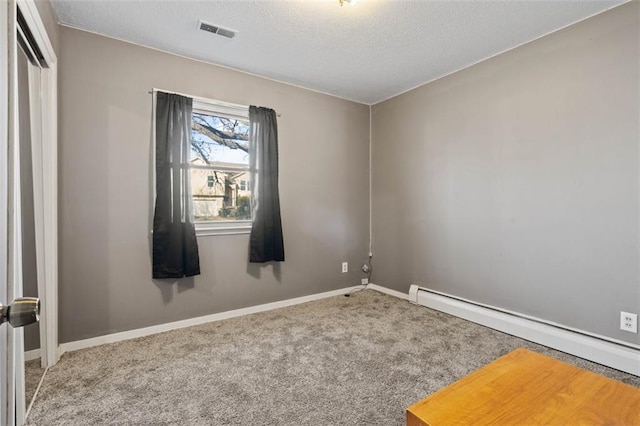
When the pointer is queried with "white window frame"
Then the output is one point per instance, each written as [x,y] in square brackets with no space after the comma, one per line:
[222,109]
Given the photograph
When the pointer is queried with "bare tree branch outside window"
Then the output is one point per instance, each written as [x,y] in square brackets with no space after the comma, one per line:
[219,144]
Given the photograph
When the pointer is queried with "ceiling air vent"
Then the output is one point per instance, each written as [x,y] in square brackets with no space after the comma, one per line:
[210,28]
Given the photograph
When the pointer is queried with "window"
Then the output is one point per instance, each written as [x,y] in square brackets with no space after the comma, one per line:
[220,175]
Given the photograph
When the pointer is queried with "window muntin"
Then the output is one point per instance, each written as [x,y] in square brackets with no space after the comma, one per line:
[220,175]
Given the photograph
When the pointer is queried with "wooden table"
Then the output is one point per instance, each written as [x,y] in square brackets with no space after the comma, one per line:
[526,388]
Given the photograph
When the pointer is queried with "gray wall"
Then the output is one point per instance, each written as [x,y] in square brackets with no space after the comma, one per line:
[515,182]
[105,200]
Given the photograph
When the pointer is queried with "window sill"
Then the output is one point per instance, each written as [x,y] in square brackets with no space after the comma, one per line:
[205,229]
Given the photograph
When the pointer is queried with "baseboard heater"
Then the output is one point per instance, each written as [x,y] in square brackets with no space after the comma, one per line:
[617,354]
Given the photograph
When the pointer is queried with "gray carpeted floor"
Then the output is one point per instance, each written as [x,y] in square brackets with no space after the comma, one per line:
[339,361]
[32,373]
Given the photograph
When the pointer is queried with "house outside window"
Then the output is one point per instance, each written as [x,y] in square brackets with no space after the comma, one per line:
[220,175]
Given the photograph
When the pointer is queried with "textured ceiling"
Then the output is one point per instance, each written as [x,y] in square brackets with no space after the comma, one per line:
[367,53]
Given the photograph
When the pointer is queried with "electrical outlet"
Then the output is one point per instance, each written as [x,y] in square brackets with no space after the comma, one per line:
[364,281]
[629,322]
[345,267]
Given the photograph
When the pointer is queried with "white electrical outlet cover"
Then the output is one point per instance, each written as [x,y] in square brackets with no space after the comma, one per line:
[629,322]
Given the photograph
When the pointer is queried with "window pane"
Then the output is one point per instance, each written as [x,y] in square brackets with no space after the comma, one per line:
[217,139]
[218,195]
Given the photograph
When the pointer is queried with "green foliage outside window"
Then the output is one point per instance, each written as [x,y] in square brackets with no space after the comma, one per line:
[242,210]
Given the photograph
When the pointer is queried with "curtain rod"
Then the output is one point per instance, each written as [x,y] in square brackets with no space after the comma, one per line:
[206,100]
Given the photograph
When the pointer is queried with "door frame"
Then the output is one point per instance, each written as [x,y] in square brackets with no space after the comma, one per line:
[45,190]
[14,408]
[6,363]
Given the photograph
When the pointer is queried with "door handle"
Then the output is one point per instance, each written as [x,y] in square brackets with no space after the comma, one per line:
[21,312]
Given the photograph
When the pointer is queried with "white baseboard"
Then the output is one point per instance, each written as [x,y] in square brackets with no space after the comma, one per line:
[388,291]
[622,356]
[32,354]
[147,331]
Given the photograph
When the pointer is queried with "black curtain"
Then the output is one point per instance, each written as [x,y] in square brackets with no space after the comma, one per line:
[266,243]
[175,248]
